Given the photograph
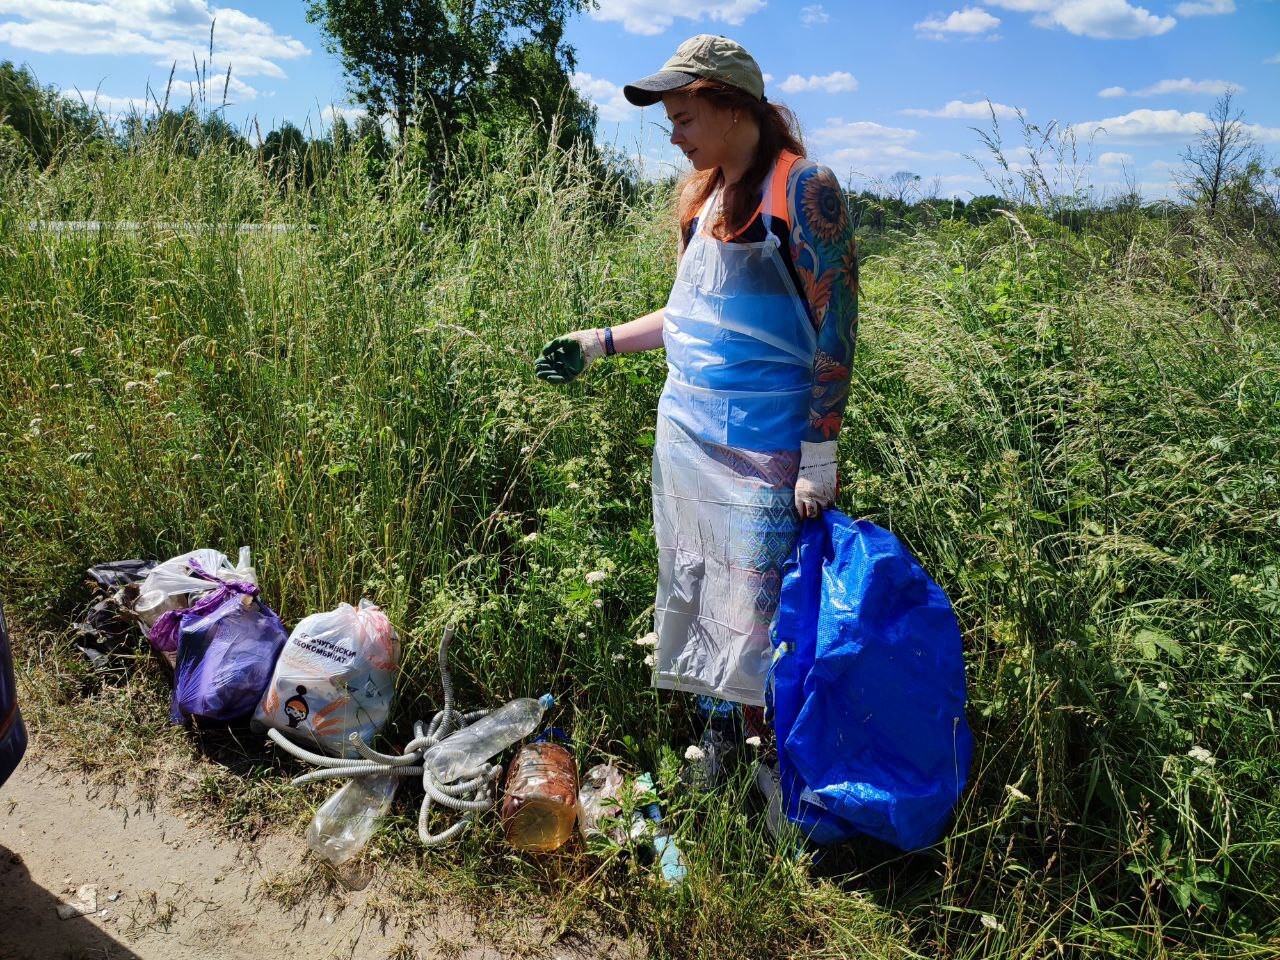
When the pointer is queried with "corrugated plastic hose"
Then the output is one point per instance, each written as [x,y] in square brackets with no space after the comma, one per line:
[470,796]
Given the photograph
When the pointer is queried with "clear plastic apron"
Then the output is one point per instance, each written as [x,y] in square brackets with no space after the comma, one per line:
[735,407]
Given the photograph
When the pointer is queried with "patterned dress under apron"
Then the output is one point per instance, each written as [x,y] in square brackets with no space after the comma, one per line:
[740,350]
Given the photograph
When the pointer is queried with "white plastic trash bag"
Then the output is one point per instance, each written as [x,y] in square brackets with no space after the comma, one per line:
[173,585]
[335,677]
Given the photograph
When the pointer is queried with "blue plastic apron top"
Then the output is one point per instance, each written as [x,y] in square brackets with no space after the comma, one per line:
[740,351]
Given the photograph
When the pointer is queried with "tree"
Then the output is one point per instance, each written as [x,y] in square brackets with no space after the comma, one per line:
[44,119]
[446,58]
[902,186]
[1221,153]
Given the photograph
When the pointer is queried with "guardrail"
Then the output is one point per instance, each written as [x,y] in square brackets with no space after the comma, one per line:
[129,226]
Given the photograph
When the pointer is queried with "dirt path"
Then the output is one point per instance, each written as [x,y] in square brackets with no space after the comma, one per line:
[168,888]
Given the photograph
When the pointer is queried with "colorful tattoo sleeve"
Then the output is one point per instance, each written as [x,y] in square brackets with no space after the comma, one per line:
[826,260]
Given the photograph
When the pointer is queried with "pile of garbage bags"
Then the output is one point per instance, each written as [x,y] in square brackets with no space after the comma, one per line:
[231,657]
[328,685]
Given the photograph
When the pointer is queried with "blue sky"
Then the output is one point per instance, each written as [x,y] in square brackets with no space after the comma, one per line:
[878,87]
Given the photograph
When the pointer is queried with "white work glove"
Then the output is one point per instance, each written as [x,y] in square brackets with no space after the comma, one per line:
[816,484]
[565,358]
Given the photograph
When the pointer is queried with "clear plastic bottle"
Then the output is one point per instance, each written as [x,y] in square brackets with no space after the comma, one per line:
[598,802]
[347,820]
[467,750]
[541,800]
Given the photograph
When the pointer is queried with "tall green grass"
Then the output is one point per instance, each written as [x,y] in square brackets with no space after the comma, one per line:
[1078,436]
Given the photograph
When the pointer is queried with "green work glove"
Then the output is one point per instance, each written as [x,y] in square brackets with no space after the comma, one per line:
[564,358]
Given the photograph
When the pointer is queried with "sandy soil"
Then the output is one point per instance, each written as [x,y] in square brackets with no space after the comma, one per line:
[168,888]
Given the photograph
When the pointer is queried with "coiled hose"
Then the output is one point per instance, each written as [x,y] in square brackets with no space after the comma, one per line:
[469,796]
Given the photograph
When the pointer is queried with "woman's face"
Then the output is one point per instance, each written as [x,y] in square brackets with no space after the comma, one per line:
[704,132]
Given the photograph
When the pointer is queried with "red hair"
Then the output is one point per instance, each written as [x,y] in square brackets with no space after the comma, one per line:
[778,131]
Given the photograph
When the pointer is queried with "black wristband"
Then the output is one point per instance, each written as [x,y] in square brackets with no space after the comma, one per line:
[609,349]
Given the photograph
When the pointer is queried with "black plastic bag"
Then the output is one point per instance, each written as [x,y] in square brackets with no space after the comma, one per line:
[107,627]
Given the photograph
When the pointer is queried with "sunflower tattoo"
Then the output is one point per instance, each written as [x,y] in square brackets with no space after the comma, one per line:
[823,205]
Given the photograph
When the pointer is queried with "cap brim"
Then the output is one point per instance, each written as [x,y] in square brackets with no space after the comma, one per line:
[646,92]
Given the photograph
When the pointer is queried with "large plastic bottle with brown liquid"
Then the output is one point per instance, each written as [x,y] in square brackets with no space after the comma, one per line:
[540,804]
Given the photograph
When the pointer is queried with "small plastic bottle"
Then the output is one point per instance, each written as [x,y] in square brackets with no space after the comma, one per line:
[347,820]
[467,750]
[598,801]
[540,805]
[671,864]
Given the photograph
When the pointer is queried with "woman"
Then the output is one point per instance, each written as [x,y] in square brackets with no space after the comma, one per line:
[759,332]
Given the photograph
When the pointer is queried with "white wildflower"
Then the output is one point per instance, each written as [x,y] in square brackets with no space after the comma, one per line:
[1247,695]
[571,486]
[651,660]
[95,381]
[597,603]
[132,385]
[91,427]
[35,422]
[526,449]
[693,753]
[162,374]
[1162,685]
[530,537]
[595,576]
[650,639]
[991,923]
[618,658]
[753,742]
[1201,755]
[196,456]
[582,636]
[77,351]
[1015,793]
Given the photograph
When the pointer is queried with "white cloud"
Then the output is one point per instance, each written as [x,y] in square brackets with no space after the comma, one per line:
[1275,59]
[1185,85]
[813,15]
[1140,125]
[169,31]
[840,132]
[1115,159]
[871,149]
[838,82]
[1103,19]
[350,114]
[607,96]
[652,17]
[960,110]
[970,21]
[106,104]
[1205,8]
[881,159]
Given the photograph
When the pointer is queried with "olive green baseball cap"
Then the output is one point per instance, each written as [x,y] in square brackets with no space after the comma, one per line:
[704,56]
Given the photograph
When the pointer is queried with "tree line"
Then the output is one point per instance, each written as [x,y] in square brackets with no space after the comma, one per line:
[437,74]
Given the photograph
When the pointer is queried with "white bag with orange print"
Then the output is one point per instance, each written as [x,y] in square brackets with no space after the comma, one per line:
[335,677]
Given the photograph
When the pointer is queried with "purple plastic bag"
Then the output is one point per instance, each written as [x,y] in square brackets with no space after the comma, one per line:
[164,633]
[227,645]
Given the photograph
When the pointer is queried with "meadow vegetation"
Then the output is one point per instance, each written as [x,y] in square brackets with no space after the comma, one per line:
[1076,431]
